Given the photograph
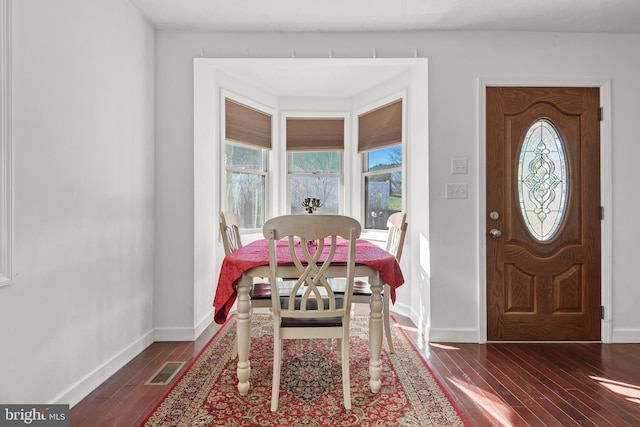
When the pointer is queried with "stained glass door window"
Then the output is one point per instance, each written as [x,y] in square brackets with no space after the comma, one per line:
[542,180]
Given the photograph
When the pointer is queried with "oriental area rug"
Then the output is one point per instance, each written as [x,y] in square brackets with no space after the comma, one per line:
[310,387]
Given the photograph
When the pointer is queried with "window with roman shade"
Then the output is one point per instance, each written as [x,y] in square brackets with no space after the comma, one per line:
[380,132]
[247,138]
[314,159]
[315,134]
[247,125]
[381,127]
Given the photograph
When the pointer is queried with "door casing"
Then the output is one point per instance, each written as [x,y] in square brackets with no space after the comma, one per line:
[605,194]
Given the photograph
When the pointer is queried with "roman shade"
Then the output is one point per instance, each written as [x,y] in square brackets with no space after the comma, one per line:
[315,133]
[246,124]
[381,127]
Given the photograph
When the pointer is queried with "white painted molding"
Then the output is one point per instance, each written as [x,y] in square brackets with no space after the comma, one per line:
[175,333]
[459,335]
[79,390]
[6,148]
[182,333]
[625,336]
[203,324]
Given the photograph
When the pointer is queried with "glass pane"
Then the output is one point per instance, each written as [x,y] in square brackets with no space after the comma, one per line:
[384,158]
[542,180]
[326,188]
[245,196]
[243,156]
[383,197]
[315,162]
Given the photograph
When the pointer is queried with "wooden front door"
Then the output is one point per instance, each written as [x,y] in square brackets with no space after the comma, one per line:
[543,213]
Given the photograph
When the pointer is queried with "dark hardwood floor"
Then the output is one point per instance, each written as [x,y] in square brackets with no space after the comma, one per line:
[497,384]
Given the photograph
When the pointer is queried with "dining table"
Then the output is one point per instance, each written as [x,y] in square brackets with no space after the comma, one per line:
[240,267]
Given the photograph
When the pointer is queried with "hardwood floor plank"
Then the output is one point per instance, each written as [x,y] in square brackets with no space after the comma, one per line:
[499,365]
[546,393]
[476,384]
[560,380]
[588,379]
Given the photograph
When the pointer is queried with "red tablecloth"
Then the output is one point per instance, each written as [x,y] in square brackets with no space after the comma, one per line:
[257,253]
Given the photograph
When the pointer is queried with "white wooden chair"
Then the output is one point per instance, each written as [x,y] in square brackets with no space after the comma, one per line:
[397,224]
[318,312]
[230,232]
[260,292]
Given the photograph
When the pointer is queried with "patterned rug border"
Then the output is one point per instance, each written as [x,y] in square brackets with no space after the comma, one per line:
[436,378]
[416,353]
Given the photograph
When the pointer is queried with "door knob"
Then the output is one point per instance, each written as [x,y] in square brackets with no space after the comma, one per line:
[495,233]
[494,215]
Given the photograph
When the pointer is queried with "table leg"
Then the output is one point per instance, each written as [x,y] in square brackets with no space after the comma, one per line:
[375,334]
[243,333]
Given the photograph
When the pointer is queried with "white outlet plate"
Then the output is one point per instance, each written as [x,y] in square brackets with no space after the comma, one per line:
[456,191]
[459,166]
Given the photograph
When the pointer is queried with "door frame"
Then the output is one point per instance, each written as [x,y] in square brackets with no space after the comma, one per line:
[605,192]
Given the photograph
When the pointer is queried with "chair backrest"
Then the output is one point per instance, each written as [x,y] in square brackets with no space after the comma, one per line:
[311,242]
[397,224]
[230,232]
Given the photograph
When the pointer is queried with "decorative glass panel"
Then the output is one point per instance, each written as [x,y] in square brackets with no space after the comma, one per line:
[542,180]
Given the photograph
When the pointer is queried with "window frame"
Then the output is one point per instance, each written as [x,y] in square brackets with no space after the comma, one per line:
[287,158]
[377,234]
[265,156]
[367,173]
[339,174]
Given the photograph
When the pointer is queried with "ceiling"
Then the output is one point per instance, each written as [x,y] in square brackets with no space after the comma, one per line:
[336,77]
[590,16]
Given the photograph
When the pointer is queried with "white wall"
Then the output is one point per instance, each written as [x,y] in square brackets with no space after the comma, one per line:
[83,111]
[446,240]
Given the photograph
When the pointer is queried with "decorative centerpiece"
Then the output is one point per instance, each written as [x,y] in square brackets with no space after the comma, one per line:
[310,204]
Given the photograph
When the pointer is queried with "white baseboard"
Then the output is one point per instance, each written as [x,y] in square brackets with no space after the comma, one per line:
[78,391]
[619,336]
[435,334]
[625,336]
[453,335]
[401,309]
[204,323]
[184,333]
[175,334]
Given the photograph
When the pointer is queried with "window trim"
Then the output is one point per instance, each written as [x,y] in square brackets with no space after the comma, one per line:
[339,175]
[266,154]
[6,149]
[364,172]
[286,158]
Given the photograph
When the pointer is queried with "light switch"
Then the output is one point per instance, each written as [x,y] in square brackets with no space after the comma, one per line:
[456,191]
[459,165]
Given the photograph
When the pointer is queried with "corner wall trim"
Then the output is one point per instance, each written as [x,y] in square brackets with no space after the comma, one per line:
[6,148]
